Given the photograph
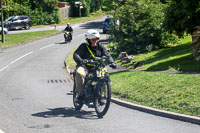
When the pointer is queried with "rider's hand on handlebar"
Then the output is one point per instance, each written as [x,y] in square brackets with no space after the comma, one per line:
[113,65]
[86,61]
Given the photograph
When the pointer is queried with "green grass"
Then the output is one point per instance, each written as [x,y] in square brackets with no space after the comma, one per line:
[21,38]
[175,58]
[173,92]
[70,61]
[92,16]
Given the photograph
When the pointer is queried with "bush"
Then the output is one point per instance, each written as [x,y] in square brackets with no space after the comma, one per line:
[140,28]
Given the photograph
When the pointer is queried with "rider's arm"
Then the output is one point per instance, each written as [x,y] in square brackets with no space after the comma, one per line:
[79,53]
[105,53]
[71,29]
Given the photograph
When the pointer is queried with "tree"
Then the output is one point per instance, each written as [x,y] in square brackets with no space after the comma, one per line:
[44,11]
[182,16]
[140,28]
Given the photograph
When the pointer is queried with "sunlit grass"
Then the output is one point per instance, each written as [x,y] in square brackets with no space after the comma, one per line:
[21,38]
[177,57]
[173,92]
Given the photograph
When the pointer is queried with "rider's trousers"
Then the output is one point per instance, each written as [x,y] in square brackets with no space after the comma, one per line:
[80,79]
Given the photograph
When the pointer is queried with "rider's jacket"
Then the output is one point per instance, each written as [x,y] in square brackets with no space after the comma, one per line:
[83,52]
[68,29]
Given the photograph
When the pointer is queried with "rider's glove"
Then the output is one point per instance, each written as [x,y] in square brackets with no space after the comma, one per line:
[113,65]
[85,61]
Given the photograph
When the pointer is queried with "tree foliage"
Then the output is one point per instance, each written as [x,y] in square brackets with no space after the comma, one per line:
[140,28]
[40,11]
[88,6]
[107,5]
[182,16]
[46,11]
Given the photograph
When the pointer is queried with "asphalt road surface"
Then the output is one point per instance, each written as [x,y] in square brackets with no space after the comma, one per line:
[33,88]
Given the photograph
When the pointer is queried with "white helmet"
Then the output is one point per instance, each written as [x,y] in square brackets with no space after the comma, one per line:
[92,34]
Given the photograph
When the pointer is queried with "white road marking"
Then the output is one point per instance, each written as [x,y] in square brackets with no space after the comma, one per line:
[46,46]
[2,70]
[19,58]
[1,131]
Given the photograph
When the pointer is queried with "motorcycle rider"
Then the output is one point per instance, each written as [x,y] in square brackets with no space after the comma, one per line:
[68,29]
[86,52]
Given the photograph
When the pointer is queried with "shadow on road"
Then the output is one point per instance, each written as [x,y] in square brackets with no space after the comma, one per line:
[92,25]
[63,42]
[66,112]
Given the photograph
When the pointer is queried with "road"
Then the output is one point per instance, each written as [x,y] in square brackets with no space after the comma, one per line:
[33,88]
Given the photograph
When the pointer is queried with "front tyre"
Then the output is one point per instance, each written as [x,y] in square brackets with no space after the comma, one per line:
[102,99]
[78,104]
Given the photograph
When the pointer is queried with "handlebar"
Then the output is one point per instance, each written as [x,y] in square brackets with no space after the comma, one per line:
[98,62]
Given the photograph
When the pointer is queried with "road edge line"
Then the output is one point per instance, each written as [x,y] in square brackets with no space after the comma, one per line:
[157,112]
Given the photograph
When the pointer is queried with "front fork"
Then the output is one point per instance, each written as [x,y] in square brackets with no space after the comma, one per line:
[101,83]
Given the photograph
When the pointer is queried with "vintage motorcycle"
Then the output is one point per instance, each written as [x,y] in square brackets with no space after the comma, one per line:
[97,88]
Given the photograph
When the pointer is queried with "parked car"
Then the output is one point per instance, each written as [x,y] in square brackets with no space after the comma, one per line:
[107,24]
[18,22]
[4,29]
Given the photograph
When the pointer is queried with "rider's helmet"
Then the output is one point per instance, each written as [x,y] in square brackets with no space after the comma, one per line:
[92,34]
[68,24]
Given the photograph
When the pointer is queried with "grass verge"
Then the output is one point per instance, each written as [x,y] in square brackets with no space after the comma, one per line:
[172,92]
[21,38]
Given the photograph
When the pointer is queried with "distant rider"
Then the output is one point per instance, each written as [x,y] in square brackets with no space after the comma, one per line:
[68,29]
[85,52]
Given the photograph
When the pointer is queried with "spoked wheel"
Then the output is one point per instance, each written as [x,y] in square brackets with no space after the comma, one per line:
[102,100]
[77,103]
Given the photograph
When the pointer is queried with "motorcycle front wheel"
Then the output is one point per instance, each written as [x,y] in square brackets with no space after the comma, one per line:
[102,99]
[78,104]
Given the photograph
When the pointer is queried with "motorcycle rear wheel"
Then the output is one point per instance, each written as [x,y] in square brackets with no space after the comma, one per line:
[102,100]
